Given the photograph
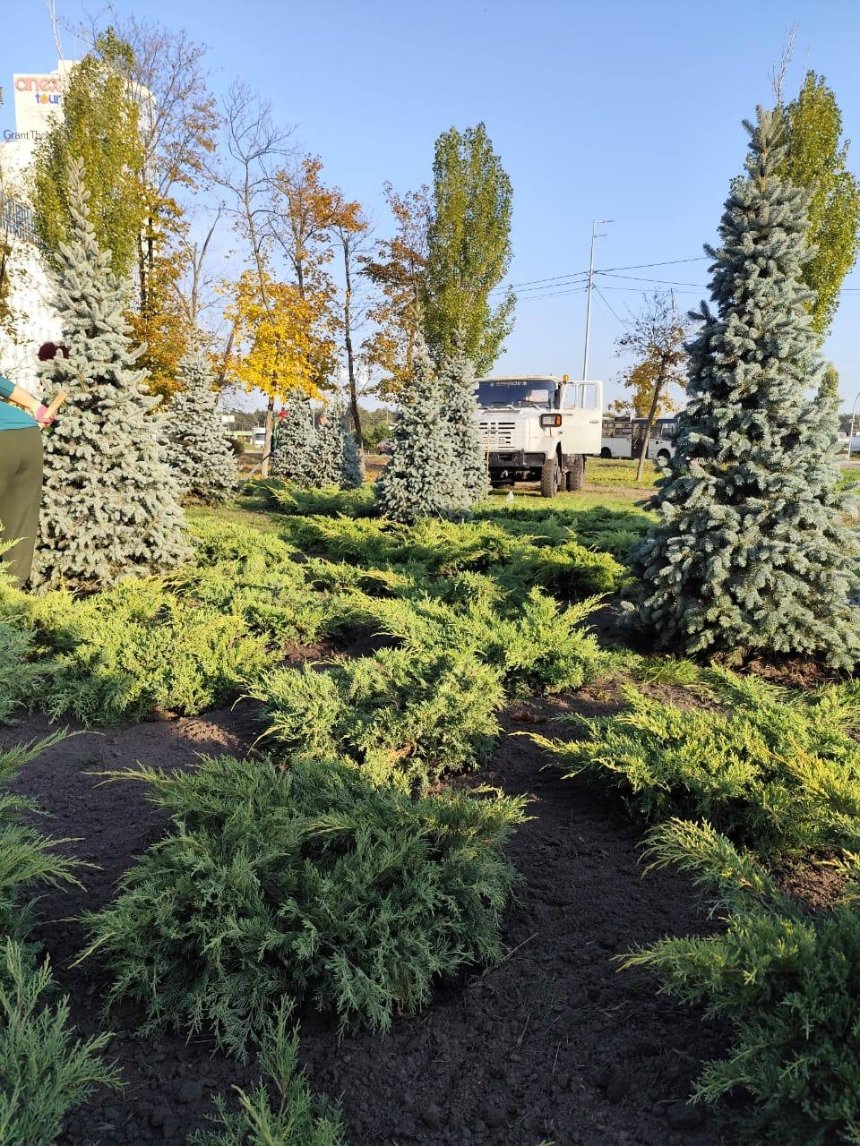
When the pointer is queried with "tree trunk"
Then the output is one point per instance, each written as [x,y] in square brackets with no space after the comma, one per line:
[350,357]
[652,417]
[267,437]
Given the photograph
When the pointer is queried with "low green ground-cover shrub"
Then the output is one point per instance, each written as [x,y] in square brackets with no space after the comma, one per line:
[538,648]
[308,882]
[119,654]
[284,1113]
[612,529]
[330,502]
[21,677]
[27,858]
[412,713]
[785,978]
[443,548]
[44,1070]
[776,772]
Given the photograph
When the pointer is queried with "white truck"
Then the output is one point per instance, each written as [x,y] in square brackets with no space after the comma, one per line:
[539,428]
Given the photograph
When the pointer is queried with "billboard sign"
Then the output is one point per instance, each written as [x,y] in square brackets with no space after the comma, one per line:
[38,100]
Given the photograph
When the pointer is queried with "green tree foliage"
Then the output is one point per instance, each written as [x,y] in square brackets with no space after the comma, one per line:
[816,159]
[656,337]
[458,392]
[198,445]
[110,504]
[296,446]
[750,553]
[338,461]
[423,478]
[469,249]
[99,128]
[243,902]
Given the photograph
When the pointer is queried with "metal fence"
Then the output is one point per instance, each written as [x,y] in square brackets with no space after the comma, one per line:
[17,221]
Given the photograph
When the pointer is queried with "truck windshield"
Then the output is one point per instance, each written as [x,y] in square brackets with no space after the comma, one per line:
[529,392]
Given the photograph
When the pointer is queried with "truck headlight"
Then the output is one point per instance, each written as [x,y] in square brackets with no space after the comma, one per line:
[550,419]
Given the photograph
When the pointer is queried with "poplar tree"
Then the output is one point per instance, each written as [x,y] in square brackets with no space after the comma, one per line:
[110,503]
[816,159]
[100,126]
[422,477]
[198,446]
[295,452]
[750,554]
[468,249]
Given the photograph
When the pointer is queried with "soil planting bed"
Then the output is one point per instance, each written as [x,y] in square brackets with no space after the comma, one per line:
[556,1045]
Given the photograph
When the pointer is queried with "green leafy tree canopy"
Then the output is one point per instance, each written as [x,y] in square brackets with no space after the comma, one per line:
[101,128]
[816,159]
[469,249]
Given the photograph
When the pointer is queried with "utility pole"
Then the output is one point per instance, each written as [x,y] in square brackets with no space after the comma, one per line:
[595,224]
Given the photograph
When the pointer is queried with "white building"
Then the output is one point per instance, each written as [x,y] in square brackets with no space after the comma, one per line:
[38,101]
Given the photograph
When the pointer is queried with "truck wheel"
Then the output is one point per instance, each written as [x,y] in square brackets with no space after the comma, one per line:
[606,452]
[575,476]
[550,477]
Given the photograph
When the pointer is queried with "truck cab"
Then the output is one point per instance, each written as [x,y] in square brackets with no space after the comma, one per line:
[539,428]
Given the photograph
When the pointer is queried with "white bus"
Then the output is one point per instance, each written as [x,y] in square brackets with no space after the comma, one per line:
[622,437]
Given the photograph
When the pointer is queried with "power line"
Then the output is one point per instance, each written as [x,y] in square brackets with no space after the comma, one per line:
[553,294]
[643,279]
[664,263]
[607,303]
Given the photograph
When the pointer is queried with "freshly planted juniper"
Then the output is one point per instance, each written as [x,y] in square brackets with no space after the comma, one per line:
[308,882]
[44,1069]
[784,979]
[750,554]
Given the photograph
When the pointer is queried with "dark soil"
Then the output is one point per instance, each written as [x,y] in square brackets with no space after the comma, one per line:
[556,1045]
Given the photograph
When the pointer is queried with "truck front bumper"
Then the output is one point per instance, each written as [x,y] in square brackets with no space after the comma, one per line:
[514,460]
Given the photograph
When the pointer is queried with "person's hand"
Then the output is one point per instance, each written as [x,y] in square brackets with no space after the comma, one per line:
[43,417]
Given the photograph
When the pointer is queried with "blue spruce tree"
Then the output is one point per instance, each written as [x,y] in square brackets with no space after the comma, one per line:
[198,447]
[110,504]
[296,445]
[459,395]
[339,462]
[423,478]
[750,555]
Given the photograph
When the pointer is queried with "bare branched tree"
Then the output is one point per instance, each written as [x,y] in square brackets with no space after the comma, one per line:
[256,148]
[656,336]
[780,69]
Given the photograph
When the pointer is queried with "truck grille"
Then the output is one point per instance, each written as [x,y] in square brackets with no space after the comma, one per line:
[497,434]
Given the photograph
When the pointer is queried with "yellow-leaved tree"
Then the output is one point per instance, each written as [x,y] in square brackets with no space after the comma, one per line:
[282,341]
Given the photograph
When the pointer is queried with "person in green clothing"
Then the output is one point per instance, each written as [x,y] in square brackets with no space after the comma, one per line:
[20,474]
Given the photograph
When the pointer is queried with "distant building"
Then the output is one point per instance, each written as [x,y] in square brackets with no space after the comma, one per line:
[37,102]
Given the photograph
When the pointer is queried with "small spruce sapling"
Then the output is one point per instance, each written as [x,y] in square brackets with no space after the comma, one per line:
[750,554]
[339,462]
[198,447]
[459,391]
[110,505]
[422,479]
[295,455]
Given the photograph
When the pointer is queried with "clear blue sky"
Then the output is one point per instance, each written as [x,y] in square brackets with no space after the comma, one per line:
[623,110]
